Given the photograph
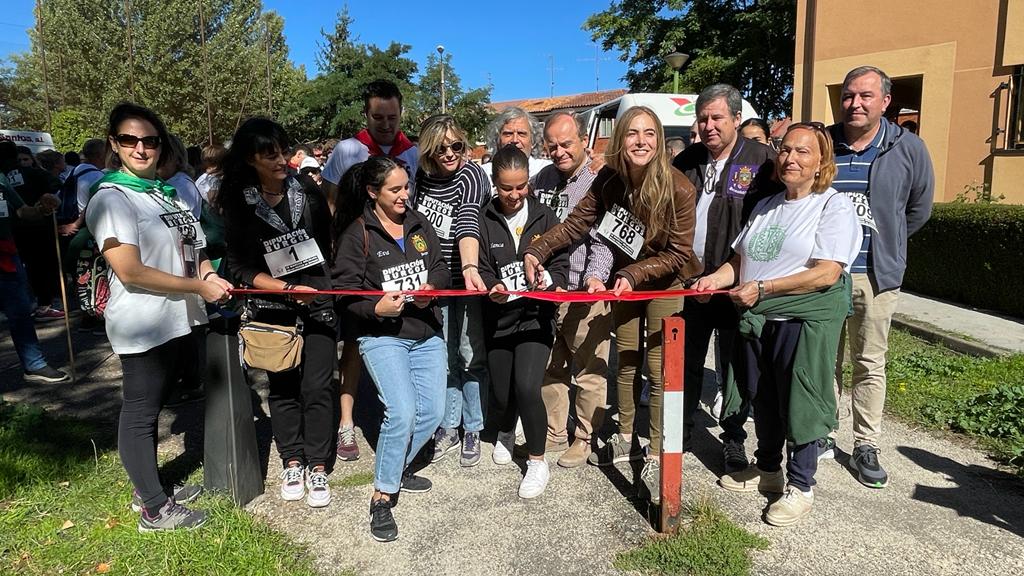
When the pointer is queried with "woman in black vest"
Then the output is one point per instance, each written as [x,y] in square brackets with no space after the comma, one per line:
[278,236]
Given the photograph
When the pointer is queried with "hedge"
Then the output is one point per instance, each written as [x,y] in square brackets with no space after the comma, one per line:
[972,254]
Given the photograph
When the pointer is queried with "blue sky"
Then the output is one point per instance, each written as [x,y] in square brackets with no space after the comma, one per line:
[506,44]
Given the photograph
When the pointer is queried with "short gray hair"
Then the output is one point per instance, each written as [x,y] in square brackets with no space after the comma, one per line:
[506,116]
[582,130]
[732,96]
[863,70]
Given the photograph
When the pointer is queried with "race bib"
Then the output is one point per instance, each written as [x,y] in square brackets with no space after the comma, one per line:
[862,208]
[439,214]
[513,276]
[620,227]
[404,277]
[556,201]
[187,225]
[291,252]
[15,178]
[3,208]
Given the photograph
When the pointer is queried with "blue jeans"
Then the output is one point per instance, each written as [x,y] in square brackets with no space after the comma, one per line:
[17,306]
[410,377]
[467,363]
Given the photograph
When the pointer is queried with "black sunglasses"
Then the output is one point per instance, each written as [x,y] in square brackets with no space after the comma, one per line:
[456,147]
[131,141]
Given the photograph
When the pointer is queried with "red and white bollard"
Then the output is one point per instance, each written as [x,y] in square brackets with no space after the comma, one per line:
[673,330]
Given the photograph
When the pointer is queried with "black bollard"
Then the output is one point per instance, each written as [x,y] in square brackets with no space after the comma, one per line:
[230,454]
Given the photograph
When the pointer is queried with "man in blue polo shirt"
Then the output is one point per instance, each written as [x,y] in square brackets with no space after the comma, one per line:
[887,172]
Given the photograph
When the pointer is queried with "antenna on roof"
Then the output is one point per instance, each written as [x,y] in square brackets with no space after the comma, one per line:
[597,65]
[552,69]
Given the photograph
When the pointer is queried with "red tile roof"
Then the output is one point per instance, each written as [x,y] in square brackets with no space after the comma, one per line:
[541,105]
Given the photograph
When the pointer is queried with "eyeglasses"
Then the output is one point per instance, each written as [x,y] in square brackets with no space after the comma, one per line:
[812,125]
[456,147]
[131,141]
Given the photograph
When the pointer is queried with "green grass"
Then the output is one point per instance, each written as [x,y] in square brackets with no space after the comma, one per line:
[934,387]
[354,480]
[62,510]
[710,545]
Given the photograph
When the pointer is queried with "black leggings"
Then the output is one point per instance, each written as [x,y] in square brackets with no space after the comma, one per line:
[303,402]
[517,363]
[148,380]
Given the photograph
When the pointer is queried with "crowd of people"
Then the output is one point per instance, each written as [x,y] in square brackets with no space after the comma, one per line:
[799,249]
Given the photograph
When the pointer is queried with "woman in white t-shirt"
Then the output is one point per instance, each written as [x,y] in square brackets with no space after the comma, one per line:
[161,276]
[795,243]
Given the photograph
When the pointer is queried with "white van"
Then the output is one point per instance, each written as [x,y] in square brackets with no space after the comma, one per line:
[677,113]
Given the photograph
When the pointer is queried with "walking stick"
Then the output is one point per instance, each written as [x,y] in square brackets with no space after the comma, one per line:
[64,298]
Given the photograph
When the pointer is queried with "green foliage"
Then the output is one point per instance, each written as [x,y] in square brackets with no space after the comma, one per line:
[712,545]
[71,128]
[97,55]
[983,397]
[64,511]
[354,480]
[970,253]
[469,109]
[977,193]
[747,44]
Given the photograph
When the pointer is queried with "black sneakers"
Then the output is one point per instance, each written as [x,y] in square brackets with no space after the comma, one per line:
[869,471]
[382,522]
[415,484]
[47,374]
[735,456]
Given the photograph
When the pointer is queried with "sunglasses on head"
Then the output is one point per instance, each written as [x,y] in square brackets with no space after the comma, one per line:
[812,125]
[456,147]
[131,141]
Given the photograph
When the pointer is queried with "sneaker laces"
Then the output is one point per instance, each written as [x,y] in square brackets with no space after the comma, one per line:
[318,480]
[380,508]
[471,441]
[734,451]
[347,435]
[869,456]
[651,467]
[292,474]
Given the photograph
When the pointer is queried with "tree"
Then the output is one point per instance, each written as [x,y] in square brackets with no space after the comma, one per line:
[331,104]
[175,57]
[469,109]
[746,43]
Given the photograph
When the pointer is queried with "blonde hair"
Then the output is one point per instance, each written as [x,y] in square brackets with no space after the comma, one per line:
[827,168]
[432,134]
[654,201]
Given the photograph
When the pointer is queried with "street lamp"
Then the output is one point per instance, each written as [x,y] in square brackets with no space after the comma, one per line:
[440,53]
[676,60]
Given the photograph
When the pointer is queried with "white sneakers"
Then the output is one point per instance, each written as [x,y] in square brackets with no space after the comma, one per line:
[502,454]
[293,482]
[318,490]
[535,480]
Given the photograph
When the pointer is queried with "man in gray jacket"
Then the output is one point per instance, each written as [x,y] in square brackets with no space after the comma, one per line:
[887,172]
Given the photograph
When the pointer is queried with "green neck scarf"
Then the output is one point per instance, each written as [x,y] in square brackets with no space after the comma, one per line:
[136,184]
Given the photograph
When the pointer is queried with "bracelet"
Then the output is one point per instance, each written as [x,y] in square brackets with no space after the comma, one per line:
[208,274]
[288,286]
[468,266]
[760,290]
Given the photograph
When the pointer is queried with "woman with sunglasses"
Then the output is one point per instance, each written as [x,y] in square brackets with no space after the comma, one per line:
[450,192]
[161,276]
[278,233]
[789,272]
[393,248]
[645,209]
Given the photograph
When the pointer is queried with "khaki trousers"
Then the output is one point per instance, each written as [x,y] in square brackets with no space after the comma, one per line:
[629,318]
[867,332]
[580,349]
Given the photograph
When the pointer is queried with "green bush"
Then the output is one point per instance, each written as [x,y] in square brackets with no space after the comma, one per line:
[970,253]
[998,414]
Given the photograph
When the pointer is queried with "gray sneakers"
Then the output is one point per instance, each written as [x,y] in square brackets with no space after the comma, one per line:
[182,494]
[470,449]
[172,516]
[650,479]
[445,441]
[616,451]
[869,471]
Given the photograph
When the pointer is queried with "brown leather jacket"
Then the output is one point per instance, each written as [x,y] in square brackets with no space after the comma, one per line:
[664,260]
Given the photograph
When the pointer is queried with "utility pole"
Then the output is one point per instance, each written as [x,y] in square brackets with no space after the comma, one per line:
[42,53]
[131,48]
[270,101]
[206,74]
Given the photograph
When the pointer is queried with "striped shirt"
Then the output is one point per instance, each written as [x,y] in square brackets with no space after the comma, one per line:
[852,170]
[590,256]
[462,194]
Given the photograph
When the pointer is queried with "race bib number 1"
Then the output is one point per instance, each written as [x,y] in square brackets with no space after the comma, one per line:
[291,252]
[439,214]
[620,227]
[862,208]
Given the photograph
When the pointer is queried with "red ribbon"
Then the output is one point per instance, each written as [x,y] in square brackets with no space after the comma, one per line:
[547,296]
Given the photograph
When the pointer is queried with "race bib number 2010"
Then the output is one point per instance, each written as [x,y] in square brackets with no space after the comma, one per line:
[620,227]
